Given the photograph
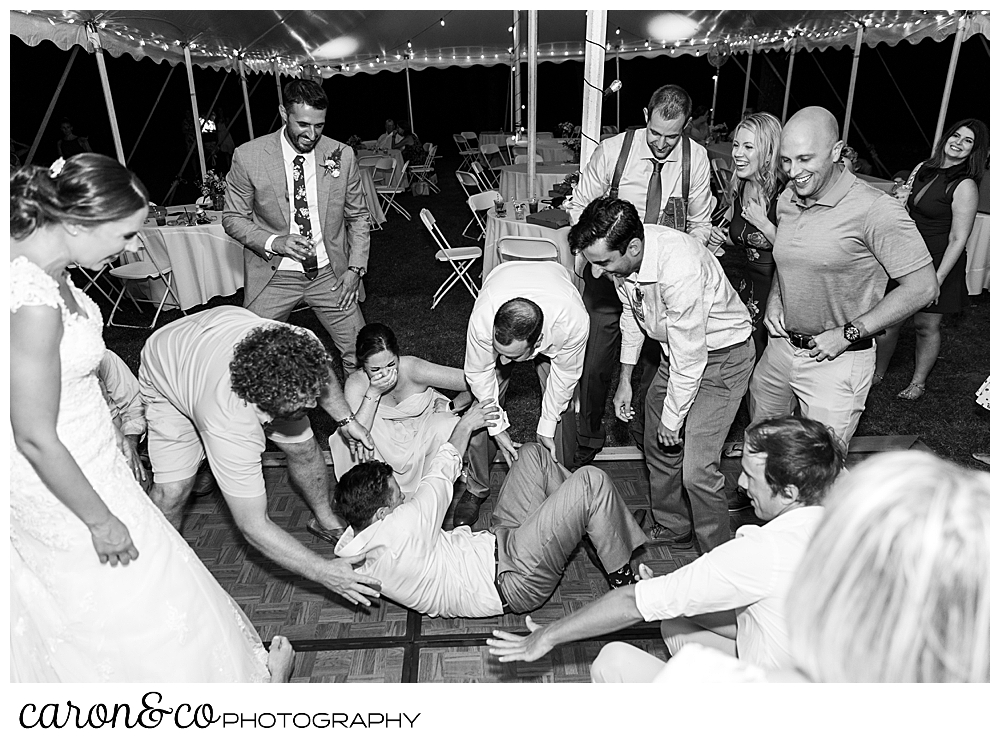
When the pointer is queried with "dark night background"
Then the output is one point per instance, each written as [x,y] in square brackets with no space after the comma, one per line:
[451,100]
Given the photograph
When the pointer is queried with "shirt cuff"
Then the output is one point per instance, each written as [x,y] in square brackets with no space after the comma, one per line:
[546,428]
[630,355]
[268,243]
[669,420]
[501,425]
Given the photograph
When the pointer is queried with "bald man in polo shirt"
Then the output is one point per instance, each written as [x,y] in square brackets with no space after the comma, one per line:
[838,238]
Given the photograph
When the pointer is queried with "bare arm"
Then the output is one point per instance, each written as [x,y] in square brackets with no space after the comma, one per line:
[615,610]
[274,542]
[435,375]
[915,291]
[964,204]
[35,386]
[334,403]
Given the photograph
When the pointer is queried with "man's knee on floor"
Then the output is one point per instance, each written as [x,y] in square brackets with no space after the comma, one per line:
[532,455]
[610,662]
[597,483]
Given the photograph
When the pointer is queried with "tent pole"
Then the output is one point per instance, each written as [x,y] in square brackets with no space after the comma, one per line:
[788,84]
[277,80]
[746,69]
[593,86]
[715,91]
[746,85]
[850,89]
[102,70]
[409,98]
[949,80]
[194,110]
[246,96]
[618,76]
[517,69]
[52,105]
[905,102]
[243,107]
[150,117]
[532,97]
[510,85]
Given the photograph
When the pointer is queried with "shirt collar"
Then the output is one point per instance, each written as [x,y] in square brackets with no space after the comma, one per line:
[288,152]
[647,273]
[834,194]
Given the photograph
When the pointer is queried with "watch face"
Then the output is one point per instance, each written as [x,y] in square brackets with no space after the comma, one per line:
[851,333]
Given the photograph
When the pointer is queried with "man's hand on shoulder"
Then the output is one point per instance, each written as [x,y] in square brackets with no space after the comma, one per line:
[338,575]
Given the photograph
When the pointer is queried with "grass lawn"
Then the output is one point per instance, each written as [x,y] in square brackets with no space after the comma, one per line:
[403,275]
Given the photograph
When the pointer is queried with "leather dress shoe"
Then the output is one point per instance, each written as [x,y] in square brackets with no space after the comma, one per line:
[467,510]
[660,535]
[204,482]
[739,500]
[582,458]
[327,535]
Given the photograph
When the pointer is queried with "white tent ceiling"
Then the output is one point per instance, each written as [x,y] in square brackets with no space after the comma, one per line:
[347,42]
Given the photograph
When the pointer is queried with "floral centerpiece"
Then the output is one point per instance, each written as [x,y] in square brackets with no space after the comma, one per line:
[571,139]
[354,142]
[213,187]
[564,188]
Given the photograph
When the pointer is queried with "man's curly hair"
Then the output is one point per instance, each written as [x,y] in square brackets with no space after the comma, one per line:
[276,367]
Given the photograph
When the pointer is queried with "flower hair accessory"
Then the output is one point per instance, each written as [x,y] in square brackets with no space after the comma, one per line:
[56,168]
[332,162]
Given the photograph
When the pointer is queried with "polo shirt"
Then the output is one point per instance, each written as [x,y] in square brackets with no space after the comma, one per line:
[833,254]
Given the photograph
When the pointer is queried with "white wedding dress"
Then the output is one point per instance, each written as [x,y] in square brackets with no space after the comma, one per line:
[161,618]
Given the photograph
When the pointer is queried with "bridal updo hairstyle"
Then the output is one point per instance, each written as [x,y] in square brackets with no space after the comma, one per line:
[374,338]
[90,189]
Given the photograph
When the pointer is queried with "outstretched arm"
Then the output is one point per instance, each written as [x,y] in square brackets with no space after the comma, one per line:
[615,610]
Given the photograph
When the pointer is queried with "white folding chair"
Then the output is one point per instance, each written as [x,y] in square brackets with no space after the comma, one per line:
[460,259]
[391,185]
[494,160]
[527,248]
[485,181]
[722,176]
[463,150]
[523,159]
[425,170]
[472,140]
[480,202]
[94,278]
[145,269]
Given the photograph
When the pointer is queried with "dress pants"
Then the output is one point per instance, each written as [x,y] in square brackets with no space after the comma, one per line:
[695,464]
[621,663]
[542,514]
[287,289]
[483,450]
[832,392]
[599,362]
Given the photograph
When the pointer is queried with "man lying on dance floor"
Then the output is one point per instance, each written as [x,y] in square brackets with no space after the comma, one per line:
[541,515]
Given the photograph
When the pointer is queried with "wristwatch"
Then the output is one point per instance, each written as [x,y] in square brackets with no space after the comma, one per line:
[358,270]
[851,333]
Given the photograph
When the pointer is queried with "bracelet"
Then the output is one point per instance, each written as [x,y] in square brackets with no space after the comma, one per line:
[345,421]
[372,399]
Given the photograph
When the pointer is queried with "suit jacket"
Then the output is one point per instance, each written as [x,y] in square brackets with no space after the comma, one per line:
[257,207]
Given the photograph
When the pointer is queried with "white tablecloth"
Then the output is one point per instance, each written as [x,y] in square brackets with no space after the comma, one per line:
[497,227]
[371,197]
[396,155]
[514,180]
[977,269]
[206,262]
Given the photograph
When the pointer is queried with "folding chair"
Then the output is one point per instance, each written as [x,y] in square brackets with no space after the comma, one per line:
[480,202]
[391,186]
[721,175]
[523,159]
[485,181]
[424,171]
[472,140]
[463,150]
[93,280]
[460,259]
[145,269]
[527,248]
[493,159]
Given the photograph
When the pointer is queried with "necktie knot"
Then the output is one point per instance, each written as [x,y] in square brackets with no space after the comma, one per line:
[657,166]
[299,160]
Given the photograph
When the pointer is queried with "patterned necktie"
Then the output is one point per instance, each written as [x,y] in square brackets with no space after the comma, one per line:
[653,193]
[301,204]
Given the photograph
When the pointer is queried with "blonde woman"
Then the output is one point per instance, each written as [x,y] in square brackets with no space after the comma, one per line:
[752,223]
[895,585]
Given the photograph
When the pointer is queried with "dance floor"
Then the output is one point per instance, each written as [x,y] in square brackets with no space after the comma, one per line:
[336,642]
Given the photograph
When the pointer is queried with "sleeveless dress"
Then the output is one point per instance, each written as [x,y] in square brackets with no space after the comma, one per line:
[163,617]
[748,262]
[932,215]
[407,437]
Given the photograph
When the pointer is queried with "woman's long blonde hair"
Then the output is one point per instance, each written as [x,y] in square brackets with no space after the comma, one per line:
[894,586]
[767,137]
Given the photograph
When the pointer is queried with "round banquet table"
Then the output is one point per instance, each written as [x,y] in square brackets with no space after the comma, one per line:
[497,138]
[497,227]
[205,261]
[396,155]
[514,180]
[371,196]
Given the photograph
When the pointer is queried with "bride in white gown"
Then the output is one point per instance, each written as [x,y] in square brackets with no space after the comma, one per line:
[102,587]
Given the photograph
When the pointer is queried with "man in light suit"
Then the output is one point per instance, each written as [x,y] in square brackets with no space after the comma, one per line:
[295,202]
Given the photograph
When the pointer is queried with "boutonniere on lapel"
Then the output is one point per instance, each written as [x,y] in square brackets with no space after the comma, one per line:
[332,162]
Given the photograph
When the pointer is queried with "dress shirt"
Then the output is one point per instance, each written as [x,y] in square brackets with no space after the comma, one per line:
[595,180]
[688,305]
[288,154]
[565,326]
[421,566]
[121,392]
[751,574]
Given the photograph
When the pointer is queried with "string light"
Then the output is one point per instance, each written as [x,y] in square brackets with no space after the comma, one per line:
[442,21]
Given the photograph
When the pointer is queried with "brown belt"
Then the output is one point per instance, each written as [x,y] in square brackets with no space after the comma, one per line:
[496,578]
[804,341]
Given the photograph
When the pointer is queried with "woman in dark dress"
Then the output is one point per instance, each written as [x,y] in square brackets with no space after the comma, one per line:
[752,224]
[942,200]
[71,143]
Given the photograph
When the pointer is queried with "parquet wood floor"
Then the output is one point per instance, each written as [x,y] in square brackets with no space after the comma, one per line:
[386,643]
